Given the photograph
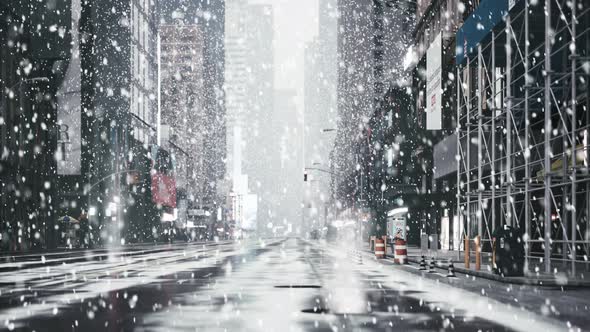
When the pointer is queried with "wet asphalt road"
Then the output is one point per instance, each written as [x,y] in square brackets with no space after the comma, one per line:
[274,285]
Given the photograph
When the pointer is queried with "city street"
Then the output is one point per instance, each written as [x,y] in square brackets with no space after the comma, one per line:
[283,284]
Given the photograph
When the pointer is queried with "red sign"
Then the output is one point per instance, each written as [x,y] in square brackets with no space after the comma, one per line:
[164,190]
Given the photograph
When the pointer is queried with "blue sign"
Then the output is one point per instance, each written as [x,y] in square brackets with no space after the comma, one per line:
[479,24]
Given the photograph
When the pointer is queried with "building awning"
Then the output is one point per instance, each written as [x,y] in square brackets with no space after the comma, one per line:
[479,24]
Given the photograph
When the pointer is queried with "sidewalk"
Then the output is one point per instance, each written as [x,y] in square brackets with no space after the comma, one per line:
[568,304]
[442,259]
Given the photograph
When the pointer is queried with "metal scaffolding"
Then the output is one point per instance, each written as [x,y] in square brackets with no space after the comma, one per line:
[523,123]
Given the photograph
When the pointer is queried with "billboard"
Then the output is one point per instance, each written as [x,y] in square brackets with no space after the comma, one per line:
[164,190]
[434,84]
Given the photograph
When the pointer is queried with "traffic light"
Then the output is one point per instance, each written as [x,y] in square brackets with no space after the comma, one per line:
[304,176]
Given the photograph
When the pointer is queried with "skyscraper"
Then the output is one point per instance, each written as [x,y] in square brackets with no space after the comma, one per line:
[183,114]
[209,17]
[249,98]
[320,81]
[370,51]
[119,118]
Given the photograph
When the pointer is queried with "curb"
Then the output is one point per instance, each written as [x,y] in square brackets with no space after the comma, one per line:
[513,280]
[489,276]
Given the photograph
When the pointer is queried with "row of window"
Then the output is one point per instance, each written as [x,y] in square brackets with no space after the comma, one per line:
[142,76]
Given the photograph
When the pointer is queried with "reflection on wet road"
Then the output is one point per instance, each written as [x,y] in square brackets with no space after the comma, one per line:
[276,285]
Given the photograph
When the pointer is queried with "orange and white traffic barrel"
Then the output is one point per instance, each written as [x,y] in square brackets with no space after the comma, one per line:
[401,251]
[379,248]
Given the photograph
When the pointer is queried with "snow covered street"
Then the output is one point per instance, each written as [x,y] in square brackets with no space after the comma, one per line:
[277,285]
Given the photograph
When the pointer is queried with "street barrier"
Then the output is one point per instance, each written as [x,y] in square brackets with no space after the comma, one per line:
[358,258]
[423,263]
[477,253]
[432,265]
[355,256]
[379,248]
[494,266]
[451,271]
[467,258]
[477,244]
[401,252]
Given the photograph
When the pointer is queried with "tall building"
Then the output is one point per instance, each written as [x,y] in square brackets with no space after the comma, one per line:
[355,84]
[119,118]
[315,156]
[260,100]
[183,115]
[370,53]
[30,78]
[249,99]
[209,17]
[320,113]
[215,145]
[235,82]
[286,160]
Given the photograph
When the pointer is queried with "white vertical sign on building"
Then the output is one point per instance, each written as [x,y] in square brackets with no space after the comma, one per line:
[434,84]
[69,109]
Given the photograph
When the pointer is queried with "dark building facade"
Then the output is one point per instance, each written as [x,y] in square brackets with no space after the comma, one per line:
[370,52]
[35,54]
[119,119]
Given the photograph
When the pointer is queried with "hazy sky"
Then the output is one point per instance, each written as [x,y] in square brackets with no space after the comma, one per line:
[296,22]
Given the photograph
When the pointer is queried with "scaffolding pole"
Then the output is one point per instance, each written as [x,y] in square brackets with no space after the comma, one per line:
[468,146]
[479,144]
[527,151]
[547,142]
[508,123]
[574,145]
[458,157]
[493,133]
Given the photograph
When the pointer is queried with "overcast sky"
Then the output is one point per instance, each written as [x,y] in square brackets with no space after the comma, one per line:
[296,22]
